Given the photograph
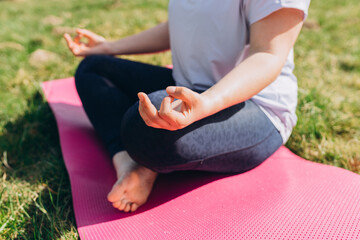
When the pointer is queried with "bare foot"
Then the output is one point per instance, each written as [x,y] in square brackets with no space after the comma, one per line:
[133,186]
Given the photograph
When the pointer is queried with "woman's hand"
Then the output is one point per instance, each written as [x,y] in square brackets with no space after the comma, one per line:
[173,115]
[95,44]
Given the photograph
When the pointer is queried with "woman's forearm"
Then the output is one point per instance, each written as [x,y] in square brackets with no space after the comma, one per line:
[243,82]
[155,39]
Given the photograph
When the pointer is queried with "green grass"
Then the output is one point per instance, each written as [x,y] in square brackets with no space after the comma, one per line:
[35,193]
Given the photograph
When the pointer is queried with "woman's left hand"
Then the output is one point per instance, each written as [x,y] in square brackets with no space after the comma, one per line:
[173,115]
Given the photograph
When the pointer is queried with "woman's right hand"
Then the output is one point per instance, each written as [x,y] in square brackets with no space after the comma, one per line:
[95,44]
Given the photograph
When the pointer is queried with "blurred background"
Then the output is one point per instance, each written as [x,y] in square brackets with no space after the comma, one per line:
[35,194]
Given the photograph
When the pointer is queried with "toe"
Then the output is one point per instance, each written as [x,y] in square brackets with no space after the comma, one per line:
[116,204]
[127,207]
[123,204]
[134,206]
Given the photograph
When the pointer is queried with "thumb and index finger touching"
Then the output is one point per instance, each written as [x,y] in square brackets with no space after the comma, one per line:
[182,93]
[88,34]
[80,33]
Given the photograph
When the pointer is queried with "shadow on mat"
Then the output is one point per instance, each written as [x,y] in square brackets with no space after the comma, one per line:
[166,188]
[172,185]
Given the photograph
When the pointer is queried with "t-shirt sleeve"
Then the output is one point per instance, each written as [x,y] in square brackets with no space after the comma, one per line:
[259,9]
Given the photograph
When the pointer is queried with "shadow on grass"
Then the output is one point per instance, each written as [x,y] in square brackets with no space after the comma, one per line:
[30,145]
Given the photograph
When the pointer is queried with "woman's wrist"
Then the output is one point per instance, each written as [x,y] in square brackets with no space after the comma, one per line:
[107,48]
[212,103]
[118,47]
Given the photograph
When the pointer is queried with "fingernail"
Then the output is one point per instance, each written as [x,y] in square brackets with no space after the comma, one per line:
[171,89]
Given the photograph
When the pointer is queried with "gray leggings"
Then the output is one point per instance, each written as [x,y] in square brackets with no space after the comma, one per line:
[236,139]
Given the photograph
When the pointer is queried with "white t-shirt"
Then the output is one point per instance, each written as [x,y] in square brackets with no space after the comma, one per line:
[209,37]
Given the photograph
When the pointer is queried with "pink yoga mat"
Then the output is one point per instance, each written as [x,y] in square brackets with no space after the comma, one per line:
[286,197]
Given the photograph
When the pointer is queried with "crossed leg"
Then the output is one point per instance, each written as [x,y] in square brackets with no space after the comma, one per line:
[236,139]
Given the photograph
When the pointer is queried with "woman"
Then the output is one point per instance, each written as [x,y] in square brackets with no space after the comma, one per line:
[224,107]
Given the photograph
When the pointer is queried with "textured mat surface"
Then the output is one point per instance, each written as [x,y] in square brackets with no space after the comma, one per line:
[286,197]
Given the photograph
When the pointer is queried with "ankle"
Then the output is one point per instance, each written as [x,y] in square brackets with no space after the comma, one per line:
[123,163]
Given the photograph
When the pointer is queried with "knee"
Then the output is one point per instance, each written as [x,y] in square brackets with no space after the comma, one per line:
[85,67]
[88,64]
